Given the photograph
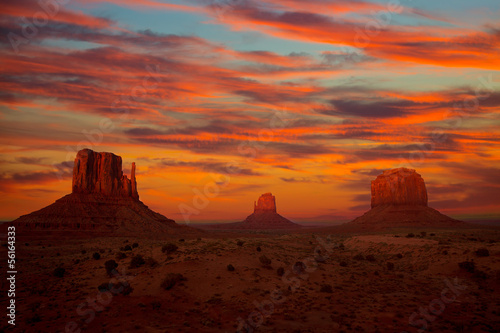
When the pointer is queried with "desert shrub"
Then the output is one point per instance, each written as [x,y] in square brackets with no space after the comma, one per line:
[399,256]
[280,271]
[343,264]
[410,235]
[171,280]
[445,252]
[265,261]
[137,261]
[230,267]
[480,275]
[115,288]
[341,246]
[156,305]
[240,243]
[135,245]
[299,267]
[433,234]
[126,248]
[359,257]
[326,288]
[423,233]
[482,252]
[390,266]
[258,249]
[84,251]
[96,256]
[151,262]
[182,240]
[110,266]
[169,248]
[120,255]
[371,258]
[467,265]
[59,272]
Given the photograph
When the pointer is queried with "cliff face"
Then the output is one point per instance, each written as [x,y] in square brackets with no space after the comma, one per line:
[399,199]
[266,203]
[103,200]
[399,187]
[101,173]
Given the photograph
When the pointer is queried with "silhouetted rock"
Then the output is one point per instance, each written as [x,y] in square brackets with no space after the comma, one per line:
[102,200]
[266,203]
[101,173]
[400,186]
[399,199]
[263,217]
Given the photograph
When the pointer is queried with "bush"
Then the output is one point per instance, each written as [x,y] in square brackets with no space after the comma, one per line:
[240,243]
[120,255]
[151,262]
[467,265]
[169,248]
[299,267]
[59,272]
[343,264]
[410,235]
[182,240]
[137,261]
[280,271]
[370,258]
[359,257]
[84,251]
[135,245]
[171,280]
[482,252]
[390,266]
[116,288]
[110,266]
[265,261]
[96,256]
[230,268]
[399,256]
[259,249]
[326,288]
[126,248]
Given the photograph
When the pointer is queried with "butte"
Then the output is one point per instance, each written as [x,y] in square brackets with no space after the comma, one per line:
[399,199]
[103,200]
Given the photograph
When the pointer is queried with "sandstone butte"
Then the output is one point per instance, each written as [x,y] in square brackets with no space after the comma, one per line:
[264,217]
[103,199]
[399,198]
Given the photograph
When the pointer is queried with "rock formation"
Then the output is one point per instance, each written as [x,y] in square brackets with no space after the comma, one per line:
[399,198]
[266,203]
[102,200]
[264,217]
[101,173]
[399,187]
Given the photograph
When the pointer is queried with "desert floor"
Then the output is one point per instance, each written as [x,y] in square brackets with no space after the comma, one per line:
[361,283]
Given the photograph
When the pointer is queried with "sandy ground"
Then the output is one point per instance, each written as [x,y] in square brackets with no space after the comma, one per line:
[341,289]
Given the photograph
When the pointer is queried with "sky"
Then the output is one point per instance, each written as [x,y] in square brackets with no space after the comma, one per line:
[221,101]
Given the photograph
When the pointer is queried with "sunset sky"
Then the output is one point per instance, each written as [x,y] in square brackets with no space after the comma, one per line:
[309,100]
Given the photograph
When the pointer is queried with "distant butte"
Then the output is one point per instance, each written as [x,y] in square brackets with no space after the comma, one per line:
[264,217]
[103,199]
[399,198]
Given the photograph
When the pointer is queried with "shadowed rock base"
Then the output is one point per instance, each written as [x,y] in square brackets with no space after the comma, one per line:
[93,212]
[391,216]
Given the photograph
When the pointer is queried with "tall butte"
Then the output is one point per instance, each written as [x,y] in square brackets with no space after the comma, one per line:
[103,199]
[399,198]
